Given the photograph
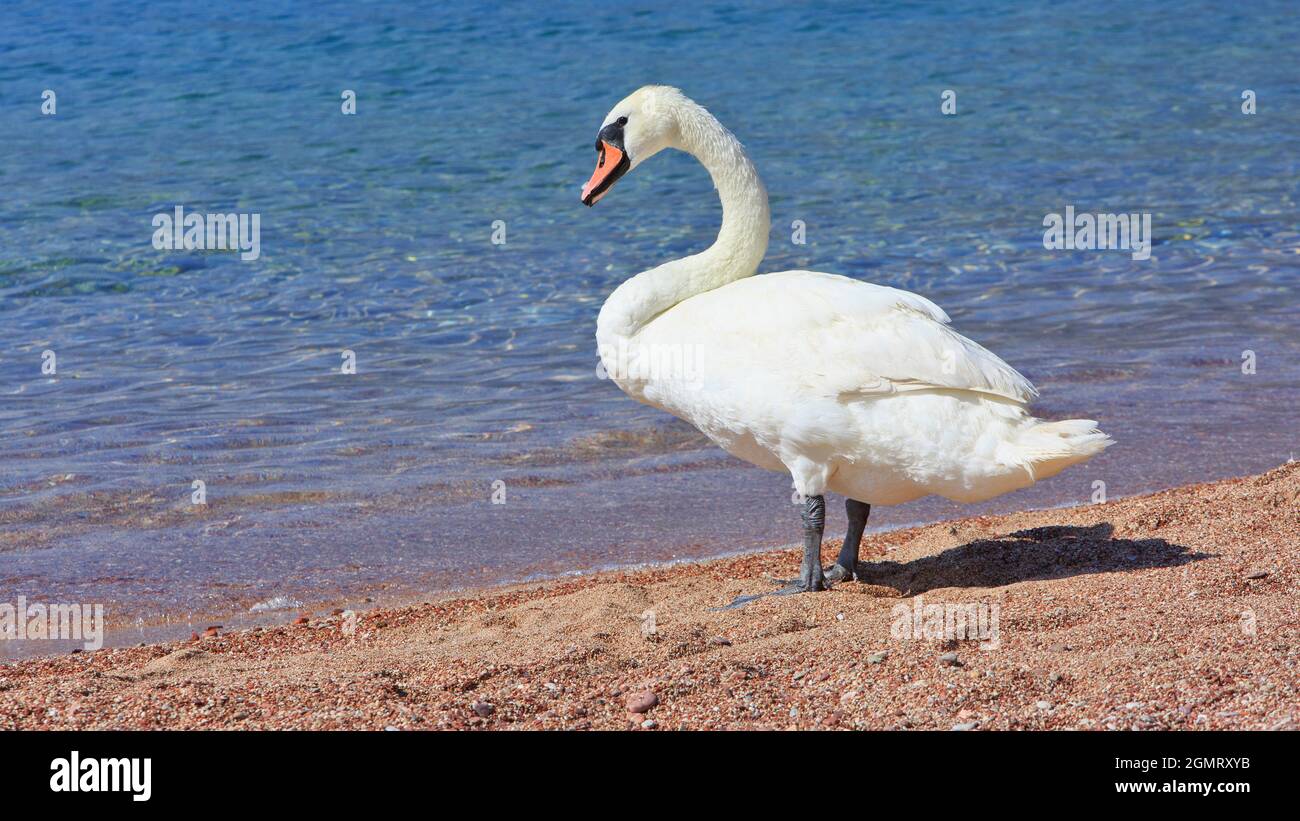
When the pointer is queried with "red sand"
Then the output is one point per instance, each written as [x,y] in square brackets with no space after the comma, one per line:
[1174,610]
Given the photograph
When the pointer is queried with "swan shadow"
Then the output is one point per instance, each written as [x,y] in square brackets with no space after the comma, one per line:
[1036,554]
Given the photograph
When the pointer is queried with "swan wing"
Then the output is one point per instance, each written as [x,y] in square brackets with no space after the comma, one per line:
[845,336]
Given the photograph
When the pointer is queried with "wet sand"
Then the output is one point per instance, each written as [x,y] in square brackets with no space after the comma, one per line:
[1176,610]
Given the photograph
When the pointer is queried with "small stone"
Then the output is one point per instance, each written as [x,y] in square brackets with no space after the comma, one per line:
[877,657]
[800,674]
[969,725]
[1054,678]
[1258,574]
[194,636]
[642,702]
[1044,705]
[720,641]
[211,633]
[390,729]
[337,611]
[839,617]
[648,724]
[949,660]
[301,620]
[483,709]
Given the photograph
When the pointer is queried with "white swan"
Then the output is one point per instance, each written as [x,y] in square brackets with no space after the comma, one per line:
[850,387]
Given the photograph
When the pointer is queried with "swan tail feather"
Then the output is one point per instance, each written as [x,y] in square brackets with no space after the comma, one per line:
[1047,448]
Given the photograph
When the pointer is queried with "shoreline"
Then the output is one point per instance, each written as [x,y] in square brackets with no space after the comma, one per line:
[132,630]
[1174,609]
[230,575]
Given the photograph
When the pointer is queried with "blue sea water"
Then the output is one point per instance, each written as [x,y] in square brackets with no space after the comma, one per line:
[476,362]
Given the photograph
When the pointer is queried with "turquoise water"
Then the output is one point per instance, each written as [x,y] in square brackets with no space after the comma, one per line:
[475,360]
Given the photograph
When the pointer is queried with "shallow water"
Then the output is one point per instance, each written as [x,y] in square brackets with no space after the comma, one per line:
[475,361]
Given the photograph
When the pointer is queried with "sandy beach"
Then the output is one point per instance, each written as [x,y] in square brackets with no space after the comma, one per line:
[1176,610]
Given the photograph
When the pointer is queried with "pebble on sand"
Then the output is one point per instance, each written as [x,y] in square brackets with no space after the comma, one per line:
[949,660]
[483,709]
[642,702]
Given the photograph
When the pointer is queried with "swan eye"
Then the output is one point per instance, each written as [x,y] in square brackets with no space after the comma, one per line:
[622,121]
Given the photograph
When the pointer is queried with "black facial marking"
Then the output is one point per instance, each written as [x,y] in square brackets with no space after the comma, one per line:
[612,134]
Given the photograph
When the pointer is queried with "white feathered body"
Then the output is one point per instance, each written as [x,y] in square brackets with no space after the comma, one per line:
[855,388]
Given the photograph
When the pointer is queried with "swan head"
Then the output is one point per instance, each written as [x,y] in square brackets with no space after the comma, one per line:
[640,126]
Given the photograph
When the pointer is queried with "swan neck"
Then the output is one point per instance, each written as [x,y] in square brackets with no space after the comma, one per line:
[736,253]
[746,221]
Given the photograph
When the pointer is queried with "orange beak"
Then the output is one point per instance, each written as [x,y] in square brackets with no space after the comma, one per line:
[613,163]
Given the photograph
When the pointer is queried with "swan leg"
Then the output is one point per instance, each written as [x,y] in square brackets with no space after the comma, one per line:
[845,566]
[811,577]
